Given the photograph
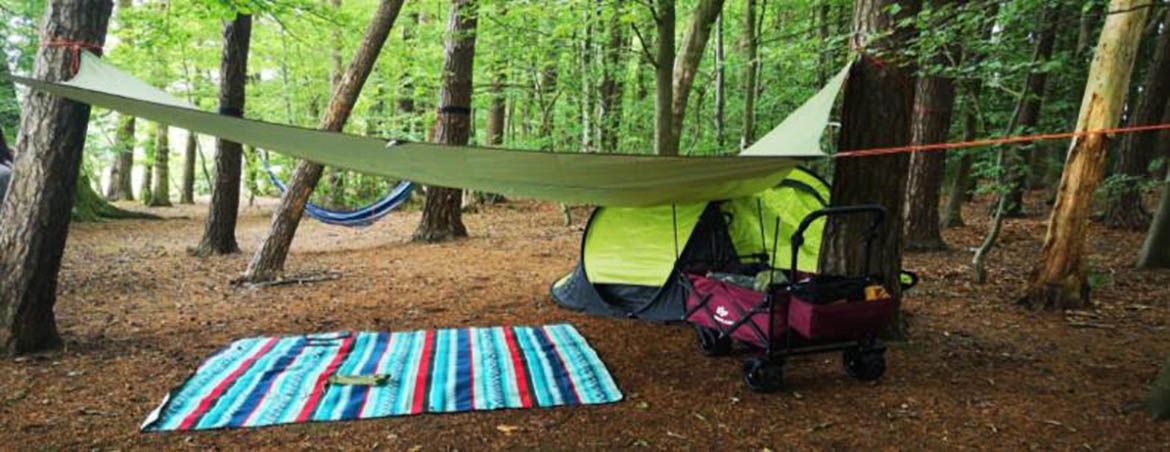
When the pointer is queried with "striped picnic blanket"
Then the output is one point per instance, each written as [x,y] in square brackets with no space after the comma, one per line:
[280,380]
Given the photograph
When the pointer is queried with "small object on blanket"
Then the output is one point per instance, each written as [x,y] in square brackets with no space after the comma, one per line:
[359,380]
[341,376]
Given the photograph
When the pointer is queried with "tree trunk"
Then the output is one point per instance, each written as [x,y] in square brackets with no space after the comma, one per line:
[1090,17]
[1021,163]
[663,79]
[268,262]
[611,83]
[187,194]
[160,193]
[121,186]
[751,45]
[145,186]
[963,183]
[34,220]
[1162,145]
[336,176]
[874,94]
[958,193]
[1155,252]
[1060,279]
[497,114]
[1137,150]
[219,232]
[1158,401]
[934,100]
[441,217]
[686,64]
[720,86]
[823,55]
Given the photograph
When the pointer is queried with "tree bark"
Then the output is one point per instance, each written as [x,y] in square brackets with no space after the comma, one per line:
[874,94]
[958,193]
[1060,279]
[121,186]
[268,262]
[720,85]
[187,194]
[160,193]
[663,79]
[34,219]
[1157,402]
[1155,252]
[686,64]
[441,217]
[145,186]
[751,46]
[219,232]
[612,82]
[336,176]
[934,101]
[1137,150]
[1022,163]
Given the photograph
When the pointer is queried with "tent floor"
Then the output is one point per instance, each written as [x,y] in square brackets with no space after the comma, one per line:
[137,314]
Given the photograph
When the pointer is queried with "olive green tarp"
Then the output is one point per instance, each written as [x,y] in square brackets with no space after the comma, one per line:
[592,178]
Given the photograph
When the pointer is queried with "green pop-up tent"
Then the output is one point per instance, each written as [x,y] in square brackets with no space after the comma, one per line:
[632,258]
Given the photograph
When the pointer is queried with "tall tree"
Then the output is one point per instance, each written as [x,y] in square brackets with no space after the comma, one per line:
[686,64]
[187,192]
[663,77]
[876,93]
[720,85]
[1060,279]
[268,262]
[121,186]
[160,192]
[1029,115]
[751,49]
[612,85]
[934,100]
[1137,150]
[34,220]
[146,185]
[961,185]
[336,176]
[441,217]
[219,232]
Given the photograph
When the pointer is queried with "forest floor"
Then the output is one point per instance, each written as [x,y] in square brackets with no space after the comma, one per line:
[138,315]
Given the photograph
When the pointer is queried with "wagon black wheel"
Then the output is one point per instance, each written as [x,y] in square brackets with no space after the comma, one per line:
[864,365]
[763,375]
[712,342]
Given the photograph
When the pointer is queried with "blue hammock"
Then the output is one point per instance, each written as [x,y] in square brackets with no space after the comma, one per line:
[361,217]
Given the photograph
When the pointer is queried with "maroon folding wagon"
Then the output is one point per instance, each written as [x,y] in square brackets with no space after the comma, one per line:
[804,314]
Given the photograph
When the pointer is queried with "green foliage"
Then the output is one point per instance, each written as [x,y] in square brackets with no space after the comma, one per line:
[548,58]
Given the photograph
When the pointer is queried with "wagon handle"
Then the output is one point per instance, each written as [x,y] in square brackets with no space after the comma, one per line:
[871,233]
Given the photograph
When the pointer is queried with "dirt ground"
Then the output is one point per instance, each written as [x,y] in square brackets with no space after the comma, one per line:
[138,314]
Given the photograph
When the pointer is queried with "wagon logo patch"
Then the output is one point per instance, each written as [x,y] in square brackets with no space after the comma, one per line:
[721,314]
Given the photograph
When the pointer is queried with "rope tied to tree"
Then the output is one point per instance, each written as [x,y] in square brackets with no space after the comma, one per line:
[1001,140]
[76,47]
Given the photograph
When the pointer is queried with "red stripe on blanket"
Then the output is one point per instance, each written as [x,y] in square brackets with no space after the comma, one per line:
[207,401]
[319,387]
